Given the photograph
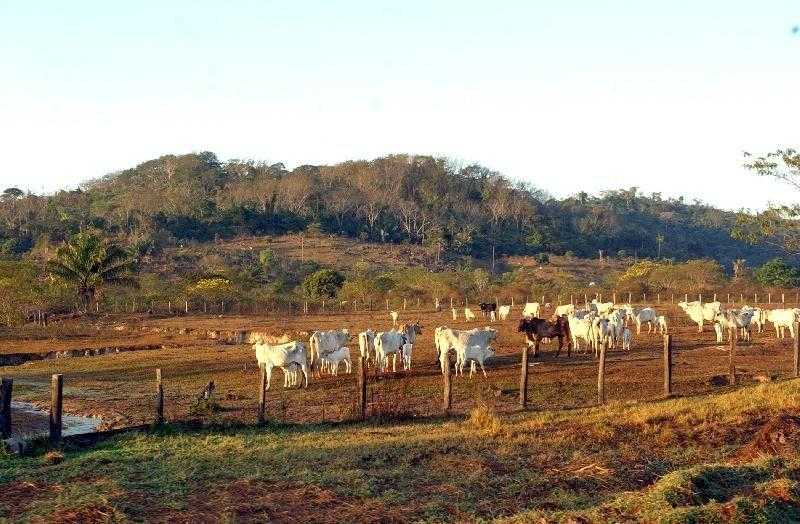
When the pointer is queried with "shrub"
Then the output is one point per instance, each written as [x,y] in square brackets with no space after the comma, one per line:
[324,283]
[778,273]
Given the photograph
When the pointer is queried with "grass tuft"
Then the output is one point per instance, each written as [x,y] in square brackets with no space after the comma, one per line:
[484,418]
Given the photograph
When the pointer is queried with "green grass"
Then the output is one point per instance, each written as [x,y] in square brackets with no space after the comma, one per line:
[671,461]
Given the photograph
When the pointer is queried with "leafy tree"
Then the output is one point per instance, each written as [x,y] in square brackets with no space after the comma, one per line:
[324,283]
[778,273]
[88,262]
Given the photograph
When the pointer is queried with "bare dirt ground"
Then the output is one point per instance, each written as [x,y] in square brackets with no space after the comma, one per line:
[120,387]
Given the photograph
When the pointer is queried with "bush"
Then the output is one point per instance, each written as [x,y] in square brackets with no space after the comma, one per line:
[778,273]
[324,283]
[543,258]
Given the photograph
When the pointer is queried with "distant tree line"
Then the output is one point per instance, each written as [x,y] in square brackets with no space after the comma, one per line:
[456,211]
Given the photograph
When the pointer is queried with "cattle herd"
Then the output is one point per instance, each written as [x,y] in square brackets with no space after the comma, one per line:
[598,324]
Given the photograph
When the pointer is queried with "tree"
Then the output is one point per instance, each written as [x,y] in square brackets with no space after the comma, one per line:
[778,273]
[777,226]
[88,262]
[324,283]
[659,241]
[12,193]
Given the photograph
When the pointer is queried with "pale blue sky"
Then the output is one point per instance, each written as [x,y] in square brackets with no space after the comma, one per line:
[571,95]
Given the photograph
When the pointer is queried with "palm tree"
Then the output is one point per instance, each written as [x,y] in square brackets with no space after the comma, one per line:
[659,241]
[88,262]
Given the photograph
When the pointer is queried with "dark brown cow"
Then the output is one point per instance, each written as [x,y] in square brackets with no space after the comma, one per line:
[536,329]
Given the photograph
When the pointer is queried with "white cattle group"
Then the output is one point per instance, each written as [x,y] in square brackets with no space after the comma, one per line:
[469,345]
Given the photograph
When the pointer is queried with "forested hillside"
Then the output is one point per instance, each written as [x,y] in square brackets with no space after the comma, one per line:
[454,211]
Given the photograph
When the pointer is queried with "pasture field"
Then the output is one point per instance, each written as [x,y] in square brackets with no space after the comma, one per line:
[637,458]
[119,387]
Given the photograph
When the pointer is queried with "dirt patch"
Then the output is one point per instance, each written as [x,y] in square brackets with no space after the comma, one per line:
[84,515]
[779,436]
[20,495]
[257,501]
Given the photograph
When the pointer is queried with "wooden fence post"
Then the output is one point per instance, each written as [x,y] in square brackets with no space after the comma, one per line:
[783,298]
[715,297]
[667,365]
[601,375]
[159,398]
[186,306]
[614,297]
[658,298]
[732,334]
[512,301]
[447,400]
[387,304]
[769,298]
[523,379]
[796,344]
[56,404]
[362,387]
[451,302]
[630,297]
[686,297]
[404,304]
[262,394]
[5,407]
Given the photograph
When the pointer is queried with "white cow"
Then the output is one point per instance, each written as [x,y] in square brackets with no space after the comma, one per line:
[395,315]
[565,309]
[445,339]
[662,324]
[616,327]
[647,316]
[469,316]
[759,317]
[388,343]
[476,353]
[601,307]
[600,333]
[324,342]
[731,320]
[699,312]
[503,312]
[580,328]
[530,310]
[366,343]
[331,361]
[782,319]
[284,356]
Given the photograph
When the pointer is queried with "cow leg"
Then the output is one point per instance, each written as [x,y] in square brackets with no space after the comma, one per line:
[394,362]
[268,370]
[536,347]
[482,368]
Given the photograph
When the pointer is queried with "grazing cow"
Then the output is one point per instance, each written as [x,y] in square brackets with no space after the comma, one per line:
[469,316]
[626,339]
[530,310]
[536,329]
[324,342]
[455,313]
[601,307]
[732,321]
[476,353]
[284,356]
[395,315]
[581,328]
[503,312]
[388,343]
[408,348]
[662,324]
[565,309]
[600,333]
[782,319]
[487,308]
[331,361]
[366,343]
[445,339]
[699,312]
[647,316]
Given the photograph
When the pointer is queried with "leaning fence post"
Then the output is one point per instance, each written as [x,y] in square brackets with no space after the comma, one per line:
[362,387]
[262,393]
[56,400]
[447,400]
[159,398]
[731,365]
[667,365]
[796,344]
[523,379]
[5,407]
[601,375]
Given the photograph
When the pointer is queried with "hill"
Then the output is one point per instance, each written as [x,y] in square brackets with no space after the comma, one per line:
[732,457]
[452,211]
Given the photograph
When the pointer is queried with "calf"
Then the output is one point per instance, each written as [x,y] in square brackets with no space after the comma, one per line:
[487,308]
[388,343]
[395,315]
[331,361]
[531,310]
[626,339]
[476,353]
[469,316]
[366,343]
[445,339]
[662,324]
[324,342]
[408,348]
